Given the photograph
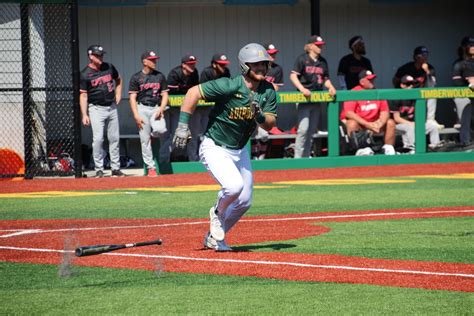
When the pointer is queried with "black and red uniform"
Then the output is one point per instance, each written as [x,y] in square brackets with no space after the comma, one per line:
[418,73]
[350,67]
[275,74]
[178,83]
[148,87]
[209,73]
[99,84]
[311,73]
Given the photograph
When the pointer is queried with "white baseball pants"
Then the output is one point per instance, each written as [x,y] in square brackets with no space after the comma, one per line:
[232,170]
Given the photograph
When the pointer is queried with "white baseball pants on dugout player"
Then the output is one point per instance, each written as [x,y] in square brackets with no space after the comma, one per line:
[308,119]
[102,117]
[408,133]
[232,170]
[150,125]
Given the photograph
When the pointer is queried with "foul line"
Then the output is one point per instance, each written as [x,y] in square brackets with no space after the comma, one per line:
[260,262]
[37,231]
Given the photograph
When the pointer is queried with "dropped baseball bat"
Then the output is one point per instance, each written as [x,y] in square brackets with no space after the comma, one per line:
[98,249]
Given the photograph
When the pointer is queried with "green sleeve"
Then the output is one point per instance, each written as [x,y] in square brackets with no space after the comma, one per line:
[215,89]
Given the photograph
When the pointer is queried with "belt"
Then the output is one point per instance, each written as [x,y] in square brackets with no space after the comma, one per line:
[98,104]
[149,105]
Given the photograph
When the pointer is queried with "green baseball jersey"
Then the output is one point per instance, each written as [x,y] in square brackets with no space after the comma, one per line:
[230,122]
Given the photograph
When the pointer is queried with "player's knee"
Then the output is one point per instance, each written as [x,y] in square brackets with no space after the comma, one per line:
[234,189]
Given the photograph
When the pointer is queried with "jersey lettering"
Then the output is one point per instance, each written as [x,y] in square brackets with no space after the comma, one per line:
[314,70]
[240,113]
[101,80]
[368,107]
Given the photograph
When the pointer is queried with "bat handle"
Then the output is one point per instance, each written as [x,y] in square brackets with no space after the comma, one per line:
[148,243]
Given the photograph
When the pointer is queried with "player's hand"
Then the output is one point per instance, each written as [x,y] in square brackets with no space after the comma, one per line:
[181,137]
[332,91]
[158,114]
[139,121]
[306,92]
[85,120]
[257,113]
[426,68]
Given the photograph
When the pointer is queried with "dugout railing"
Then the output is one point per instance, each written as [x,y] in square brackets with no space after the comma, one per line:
[334,159]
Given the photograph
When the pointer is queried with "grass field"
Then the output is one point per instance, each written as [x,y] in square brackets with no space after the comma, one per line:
[30,284]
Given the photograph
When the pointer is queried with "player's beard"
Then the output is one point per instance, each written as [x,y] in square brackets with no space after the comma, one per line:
[258,74]
[362,51]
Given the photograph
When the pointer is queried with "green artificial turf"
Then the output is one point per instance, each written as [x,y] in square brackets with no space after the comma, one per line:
[28,289]
[290,200]
[423,239]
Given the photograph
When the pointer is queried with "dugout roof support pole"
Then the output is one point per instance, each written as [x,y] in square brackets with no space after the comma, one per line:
[315,17]
[26,83]
[75,88]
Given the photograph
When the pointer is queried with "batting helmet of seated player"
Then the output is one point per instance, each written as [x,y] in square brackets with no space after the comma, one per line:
[252,53]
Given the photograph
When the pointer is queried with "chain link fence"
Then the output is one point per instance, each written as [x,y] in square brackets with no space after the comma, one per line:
[39,126]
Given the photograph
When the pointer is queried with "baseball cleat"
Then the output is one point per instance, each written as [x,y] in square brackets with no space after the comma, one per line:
[217,224]
[219,246]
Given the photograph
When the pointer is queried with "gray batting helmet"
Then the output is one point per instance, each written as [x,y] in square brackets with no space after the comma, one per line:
[252,53]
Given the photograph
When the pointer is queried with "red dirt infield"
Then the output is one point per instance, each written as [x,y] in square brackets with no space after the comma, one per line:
[70,184]
[43,241]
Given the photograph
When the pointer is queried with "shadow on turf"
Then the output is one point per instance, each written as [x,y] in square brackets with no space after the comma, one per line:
[274,247]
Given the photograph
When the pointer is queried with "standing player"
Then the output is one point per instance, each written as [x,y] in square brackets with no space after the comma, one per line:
[424,73]
[241,104]
[310,73]
[217,69]
[275,72]
[352,64]
[148,92]
[463,75]
[275,77]
[99,97]
[180,79]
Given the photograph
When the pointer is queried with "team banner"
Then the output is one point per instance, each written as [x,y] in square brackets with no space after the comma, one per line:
[379,94]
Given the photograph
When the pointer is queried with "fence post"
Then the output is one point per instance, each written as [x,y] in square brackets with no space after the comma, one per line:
[333,126]
[420,121]
[75,89]
[26,83]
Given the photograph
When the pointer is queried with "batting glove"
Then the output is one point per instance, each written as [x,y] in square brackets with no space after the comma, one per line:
[182,135]
[257,112]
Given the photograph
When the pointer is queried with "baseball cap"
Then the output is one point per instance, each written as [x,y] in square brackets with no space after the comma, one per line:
[271,49]
[316,39]
[356,39]
[408,79]
[367,74]
[467,41]
[420,50]
[220,59]
[150,55]
[96,50]
[188,59]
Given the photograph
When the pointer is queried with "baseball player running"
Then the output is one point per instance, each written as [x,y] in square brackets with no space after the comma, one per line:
[148,92]
[100,93]
[241,104]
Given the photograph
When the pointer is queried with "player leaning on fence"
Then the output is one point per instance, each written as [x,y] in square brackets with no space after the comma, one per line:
[241,103]
[101,91]
[310,73]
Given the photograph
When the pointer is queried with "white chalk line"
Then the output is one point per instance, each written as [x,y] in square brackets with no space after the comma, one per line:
[37,231]
[260,262]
